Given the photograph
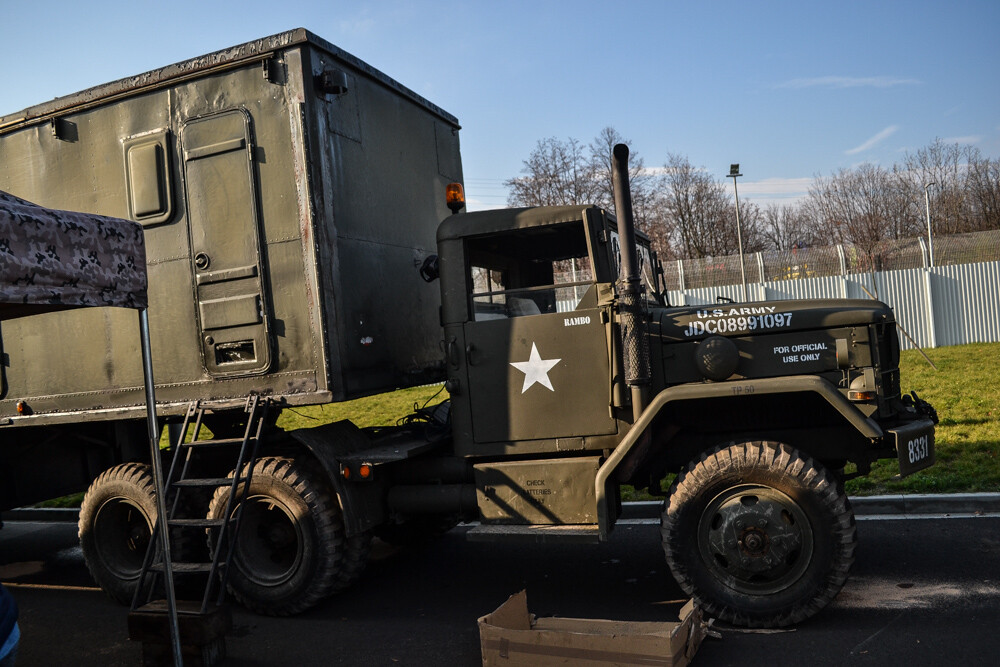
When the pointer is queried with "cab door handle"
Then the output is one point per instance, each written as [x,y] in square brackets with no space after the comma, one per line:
[452,353]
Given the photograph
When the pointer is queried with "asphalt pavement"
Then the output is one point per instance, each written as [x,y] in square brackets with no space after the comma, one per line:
[925,590]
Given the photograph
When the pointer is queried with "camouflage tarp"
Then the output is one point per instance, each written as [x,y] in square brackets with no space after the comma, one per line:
[51,260]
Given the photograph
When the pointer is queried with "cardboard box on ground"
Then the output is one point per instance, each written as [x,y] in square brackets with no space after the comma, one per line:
[512,636]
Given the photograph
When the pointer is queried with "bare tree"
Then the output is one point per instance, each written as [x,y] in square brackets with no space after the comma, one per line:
[687,203]
[556,173]
[861,207]
[564,172]
[786,226]
[688,214]
[983,185]
[640,180]
[947,167]
[699,215]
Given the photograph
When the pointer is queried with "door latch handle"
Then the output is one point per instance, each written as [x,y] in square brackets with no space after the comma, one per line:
[452,353]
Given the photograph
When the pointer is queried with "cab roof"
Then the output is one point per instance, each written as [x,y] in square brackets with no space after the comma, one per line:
[463,225]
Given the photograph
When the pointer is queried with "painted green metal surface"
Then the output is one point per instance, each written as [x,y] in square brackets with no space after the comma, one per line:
[285,224]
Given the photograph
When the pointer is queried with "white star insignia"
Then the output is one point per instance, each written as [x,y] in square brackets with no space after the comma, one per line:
[535,369]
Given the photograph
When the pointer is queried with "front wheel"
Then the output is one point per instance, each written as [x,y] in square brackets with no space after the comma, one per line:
[759,534]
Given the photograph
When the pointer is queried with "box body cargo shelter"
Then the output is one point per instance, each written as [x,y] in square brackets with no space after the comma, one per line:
[288,193]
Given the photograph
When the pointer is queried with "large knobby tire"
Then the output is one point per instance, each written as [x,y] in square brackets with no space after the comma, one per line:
[356,551]
[116,521]
[759,534]
[291,550]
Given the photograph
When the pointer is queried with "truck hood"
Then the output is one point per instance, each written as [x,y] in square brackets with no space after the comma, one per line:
[761,317]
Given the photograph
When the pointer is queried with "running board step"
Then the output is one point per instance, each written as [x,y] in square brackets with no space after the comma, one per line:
[579,533]
[198,523]
[185,568]
[206,482]
[220,442]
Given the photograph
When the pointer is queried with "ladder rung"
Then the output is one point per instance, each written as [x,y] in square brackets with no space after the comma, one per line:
[185,568]
[197,523]
[208,481]
[226,544]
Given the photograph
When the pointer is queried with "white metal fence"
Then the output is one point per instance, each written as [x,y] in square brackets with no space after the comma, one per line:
[834,260]
[939,306]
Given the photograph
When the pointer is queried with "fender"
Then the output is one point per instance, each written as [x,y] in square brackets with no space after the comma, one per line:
[779,385]
[362,503]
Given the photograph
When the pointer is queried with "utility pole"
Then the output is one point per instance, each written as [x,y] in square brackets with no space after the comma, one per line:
[930,241]
[734,171]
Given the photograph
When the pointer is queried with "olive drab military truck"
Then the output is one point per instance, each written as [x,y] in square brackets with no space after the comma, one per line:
[290,196]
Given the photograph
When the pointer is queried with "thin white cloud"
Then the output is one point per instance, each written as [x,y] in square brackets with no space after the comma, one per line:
[777,191]
[363,25]
[481,204]
[970,140]
[881,136]
[778,187]
[847,82]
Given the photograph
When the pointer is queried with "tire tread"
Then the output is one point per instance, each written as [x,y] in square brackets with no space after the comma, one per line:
[732,460]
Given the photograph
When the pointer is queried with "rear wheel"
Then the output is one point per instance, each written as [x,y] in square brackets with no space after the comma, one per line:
[117,516]
[291,551]
[759,534]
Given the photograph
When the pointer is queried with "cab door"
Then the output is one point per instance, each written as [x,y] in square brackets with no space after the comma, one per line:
[536,344]
[539,376]
[225,243]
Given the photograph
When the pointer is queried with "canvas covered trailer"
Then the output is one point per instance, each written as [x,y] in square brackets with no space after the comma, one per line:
[288,194]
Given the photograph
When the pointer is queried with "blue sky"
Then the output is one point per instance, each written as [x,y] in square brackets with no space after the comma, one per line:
[787,89]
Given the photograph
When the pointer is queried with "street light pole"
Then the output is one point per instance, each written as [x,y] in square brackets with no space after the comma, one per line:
[930,241]
[734,171]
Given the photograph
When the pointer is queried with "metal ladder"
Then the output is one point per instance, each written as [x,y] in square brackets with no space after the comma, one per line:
[158,562]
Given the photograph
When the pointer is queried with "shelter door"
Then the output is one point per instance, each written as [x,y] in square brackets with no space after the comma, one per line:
[223,219]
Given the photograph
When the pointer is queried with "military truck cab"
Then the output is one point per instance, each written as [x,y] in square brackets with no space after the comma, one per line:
[526,313]
[754,411]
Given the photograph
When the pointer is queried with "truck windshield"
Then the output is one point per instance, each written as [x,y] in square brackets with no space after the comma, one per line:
[646,268]
[530,272]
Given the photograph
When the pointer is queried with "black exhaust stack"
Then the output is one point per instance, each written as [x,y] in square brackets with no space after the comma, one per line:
[631,305]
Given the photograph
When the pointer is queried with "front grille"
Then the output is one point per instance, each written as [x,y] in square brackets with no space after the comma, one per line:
[890,384]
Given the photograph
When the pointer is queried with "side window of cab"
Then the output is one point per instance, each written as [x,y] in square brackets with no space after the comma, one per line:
[531,271]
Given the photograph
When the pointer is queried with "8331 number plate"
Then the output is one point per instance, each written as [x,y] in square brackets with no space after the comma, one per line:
[914,446]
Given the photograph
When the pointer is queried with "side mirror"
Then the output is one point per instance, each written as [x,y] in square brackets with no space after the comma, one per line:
[429,269]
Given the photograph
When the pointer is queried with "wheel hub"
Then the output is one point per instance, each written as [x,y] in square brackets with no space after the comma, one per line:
[754,542]
[123,533]
[755,539]
[270,542]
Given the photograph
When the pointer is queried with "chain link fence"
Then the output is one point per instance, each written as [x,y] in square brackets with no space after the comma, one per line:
[838,260]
